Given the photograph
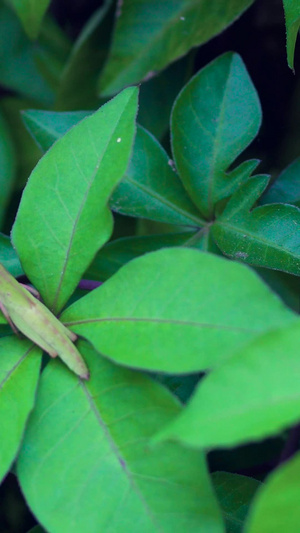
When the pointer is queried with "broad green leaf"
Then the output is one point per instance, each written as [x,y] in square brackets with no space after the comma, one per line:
[117,253]
[19,373]
[7,166]
[235,493]
[144,43]
[267,236]
[18,69]
[253,395]
[177,311]
[286,188]
[8,256]
[96,435]
[78,84]
[276,506]
[206,135]
[46,127]
[65,201]
[30,13]
[292,21]
[151,187]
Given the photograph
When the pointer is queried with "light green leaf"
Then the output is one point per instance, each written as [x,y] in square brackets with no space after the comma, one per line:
[65,201]
[9,257]
[19,372]
[172,311]
[7,166]
[276,505]
[151,187]
[144,43]
[111,480]
[292,21]
[235,493]
[286,188]
[267,236]
[30,13]
[206,135]
[253,395]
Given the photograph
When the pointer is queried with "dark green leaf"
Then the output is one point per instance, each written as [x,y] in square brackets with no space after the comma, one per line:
[8,256]
[144,43]
[235,494]
[30,13]
[206,135]
[7,166]
[292,20]
[268,236]
[286,188]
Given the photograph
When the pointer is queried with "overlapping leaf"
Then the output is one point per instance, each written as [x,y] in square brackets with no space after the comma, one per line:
[253,395]
[65,201]
[276,506]
[267,236]
[96,435]
[144,43]
[8,256]
[206,134]
[286,188]
[176,310]
[19,373]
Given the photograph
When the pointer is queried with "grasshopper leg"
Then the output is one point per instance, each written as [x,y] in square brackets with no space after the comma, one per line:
[6,315]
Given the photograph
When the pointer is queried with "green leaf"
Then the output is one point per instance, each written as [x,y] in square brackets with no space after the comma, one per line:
[171,311]
[18,69]
[8,257]
[286,188]
[78,84]
[151,188]
[30,13]
[292,21]
[144,43]
[46,127]
[117,253]
[206,135]
[267,236]
[7,166]
[235,493]
[19,372]
[111,479]
[253,395]
[158,94]
[65,201]
[276,505]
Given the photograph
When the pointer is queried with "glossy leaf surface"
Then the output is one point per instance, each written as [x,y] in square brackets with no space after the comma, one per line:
[292,20]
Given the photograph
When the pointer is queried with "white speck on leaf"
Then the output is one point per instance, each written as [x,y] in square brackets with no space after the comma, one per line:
[172,165]
[119,140]
[182,18]
[241,255]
